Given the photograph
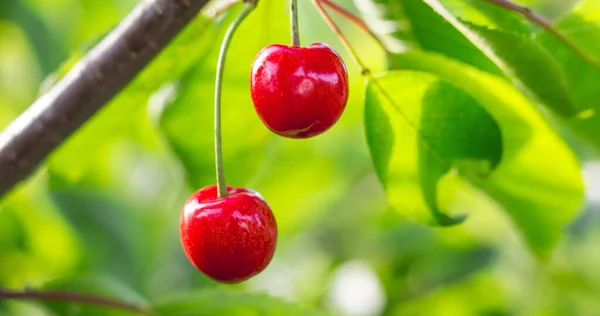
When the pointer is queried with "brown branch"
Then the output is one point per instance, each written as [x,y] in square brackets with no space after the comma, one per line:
[74,298]
[547,25]
[90,84]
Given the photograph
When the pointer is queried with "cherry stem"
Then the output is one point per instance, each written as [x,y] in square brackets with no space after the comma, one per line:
[72,297]
[546,24]
[294,23]
[365,71]
[221,184]
[354,19]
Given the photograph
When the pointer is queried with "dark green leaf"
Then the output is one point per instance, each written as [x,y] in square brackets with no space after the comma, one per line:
[36,241]
[416,20]
[117,238]
[583,78]
[454,129]
[485,13]
[48,50]
[448,127]
[521,59]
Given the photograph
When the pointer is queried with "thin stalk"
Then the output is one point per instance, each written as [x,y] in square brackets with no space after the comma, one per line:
[294,23]
[221,184]
[546,24]
[74,298]
[354,19]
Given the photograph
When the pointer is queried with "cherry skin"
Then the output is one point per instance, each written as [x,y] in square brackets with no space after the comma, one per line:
[229,239]
[299,92]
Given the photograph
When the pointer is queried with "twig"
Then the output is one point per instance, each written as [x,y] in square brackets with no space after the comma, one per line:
[354,19]
[90,84]
[73,297]
[546,24]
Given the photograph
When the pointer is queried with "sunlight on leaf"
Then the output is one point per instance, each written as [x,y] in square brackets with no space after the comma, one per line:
[228,302]
[452,128]
[540,195]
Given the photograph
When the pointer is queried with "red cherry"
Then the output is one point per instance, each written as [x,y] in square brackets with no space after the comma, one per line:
[229,239]
[299,92]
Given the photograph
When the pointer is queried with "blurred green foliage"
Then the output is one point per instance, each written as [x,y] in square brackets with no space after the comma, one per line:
[102,215]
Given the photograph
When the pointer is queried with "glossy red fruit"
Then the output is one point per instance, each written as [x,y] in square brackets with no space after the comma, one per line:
[229,239]
[299,92]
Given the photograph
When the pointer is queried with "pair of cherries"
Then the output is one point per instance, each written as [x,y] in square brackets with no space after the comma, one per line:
[298,92]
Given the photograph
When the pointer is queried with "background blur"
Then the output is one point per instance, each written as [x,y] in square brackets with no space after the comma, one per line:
[104,211]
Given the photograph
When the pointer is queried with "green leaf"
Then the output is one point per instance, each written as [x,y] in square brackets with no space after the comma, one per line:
[97,285]
[447,126]
[228,302]
[540,195]
[35,241]
[419,25]
[48,50]
[117,238]
[582,27]
[485,13]
[521,59]
[454,130]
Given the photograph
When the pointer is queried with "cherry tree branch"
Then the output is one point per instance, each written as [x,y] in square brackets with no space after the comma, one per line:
[74,298]
[90,84]
[547,25]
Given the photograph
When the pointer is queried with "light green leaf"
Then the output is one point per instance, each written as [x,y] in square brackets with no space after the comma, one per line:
[445,124]
[540,195]
[228,302]
[521,59]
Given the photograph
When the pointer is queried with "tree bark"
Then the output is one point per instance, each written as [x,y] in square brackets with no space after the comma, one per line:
[90,84]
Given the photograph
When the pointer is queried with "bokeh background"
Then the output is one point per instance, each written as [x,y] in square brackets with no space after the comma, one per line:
[102,214]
